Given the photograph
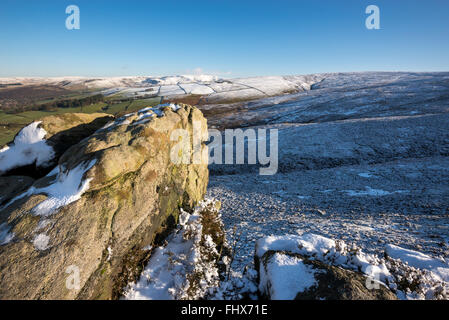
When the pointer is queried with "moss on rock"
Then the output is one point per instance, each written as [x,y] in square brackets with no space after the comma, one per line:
[135,194]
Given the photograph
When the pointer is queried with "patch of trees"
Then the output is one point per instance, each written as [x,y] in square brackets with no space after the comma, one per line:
[9,85]
[71,103]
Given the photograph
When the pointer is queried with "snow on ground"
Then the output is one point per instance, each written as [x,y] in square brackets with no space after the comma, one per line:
[112,91]
[259,87]
[243,94]
[354,166]
[172,80]
[428,282]
[29,147]
[112,82]
[115,123]
[216,90]
[185,266]
[348,96]
[134,92]
[173,267]
[194,88]
[326,250]
[267,85]
[213,89]
[253,206]
[67,187]
[371,192]
[226,86]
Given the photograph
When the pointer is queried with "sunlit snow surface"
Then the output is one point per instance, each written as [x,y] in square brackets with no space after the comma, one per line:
[165,277]
[287,276]
[438,267]
[362,163]
[363,159]
[41,242]
[211,87]
[29,147]
[67,187]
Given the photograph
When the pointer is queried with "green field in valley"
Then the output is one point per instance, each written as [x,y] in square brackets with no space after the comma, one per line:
[10,124]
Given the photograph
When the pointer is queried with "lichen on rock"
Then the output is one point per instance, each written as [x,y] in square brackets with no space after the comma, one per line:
[135,193]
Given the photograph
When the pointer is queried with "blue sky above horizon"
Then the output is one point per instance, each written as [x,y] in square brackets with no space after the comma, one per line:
[229,38]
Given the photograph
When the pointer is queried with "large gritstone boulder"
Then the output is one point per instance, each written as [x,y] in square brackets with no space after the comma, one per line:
[84,230]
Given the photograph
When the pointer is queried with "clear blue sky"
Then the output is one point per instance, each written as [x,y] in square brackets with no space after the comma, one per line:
[225,37]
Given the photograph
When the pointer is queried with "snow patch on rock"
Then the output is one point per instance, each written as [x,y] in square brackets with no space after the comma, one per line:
[287,276]
[29,147]
[41,242]
[372,192]
[410,274]
[171,271]
[68,188]
[5,235]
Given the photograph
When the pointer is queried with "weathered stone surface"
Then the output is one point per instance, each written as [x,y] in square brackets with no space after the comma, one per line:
[134,194]
[331,282]
[12,186]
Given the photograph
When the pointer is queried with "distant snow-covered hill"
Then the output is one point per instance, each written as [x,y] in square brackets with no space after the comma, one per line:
[214,88]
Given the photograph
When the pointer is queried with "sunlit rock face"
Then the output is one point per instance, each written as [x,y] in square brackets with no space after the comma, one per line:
[96,211]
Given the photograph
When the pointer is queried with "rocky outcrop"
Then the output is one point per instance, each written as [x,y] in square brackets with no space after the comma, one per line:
[287,275]
[12,186]
[81,232]
[190,264]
